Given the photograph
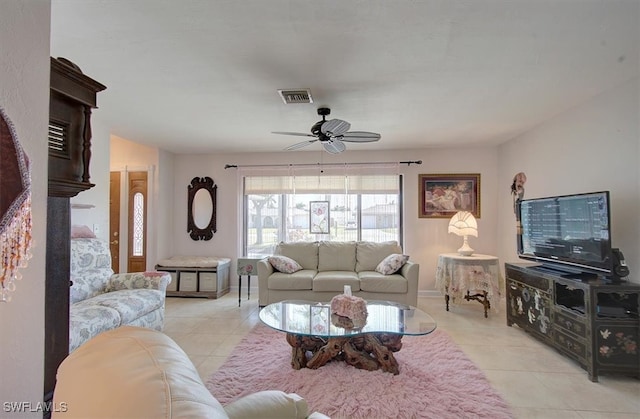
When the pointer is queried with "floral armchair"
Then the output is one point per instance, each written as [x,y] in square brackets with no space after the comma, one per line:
[102,300]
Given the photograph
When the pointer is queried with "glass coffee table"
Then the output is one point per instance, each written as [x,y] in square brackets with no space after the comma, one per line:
[316,339]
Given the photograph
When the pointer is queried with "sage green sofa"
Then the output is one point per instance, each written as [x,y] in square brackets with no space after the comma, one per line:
[328,266]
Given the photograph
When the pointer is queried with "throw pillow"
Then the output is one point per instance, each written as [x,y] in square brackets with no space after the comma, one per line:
[391,264]
[81,232]
[284,264]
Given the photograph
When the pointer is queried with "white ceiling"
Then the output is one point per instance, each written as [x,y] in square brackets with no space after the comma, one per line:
[202,76]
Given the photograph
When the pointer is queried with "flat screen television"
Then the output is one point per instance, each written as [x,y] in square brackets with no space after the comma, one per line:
[570,233]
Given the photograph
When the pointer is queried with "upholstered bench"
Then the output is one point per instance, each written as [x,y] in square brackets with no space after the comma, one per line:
[196,276]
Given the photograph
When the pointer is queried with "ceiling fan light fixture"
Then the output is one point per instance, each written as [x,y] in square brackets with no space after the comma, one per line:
[290,96]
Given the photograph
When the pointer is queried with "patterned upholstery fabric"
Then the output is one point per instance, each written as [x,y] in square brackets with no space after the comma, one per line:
[90,268]
[102,300]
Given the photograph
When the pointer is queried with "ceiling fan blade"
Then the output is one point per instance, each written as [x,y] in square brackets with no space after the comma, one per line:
[300,145]
[299,134]
[334,146]
[335,127]
[360,137]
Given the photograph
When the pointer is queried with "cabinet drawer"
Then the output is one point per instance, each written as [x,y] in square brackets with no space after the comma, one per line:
[188,281]
[208,281]
[574,347]
[533,281]
[570,323]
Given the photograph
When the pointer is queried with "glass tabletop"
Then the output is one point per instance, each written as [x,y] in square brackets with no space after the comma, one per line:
[314,319]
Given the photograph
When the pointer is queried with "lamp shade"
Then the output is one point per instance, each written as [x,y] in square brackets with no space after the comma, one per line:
[463,224]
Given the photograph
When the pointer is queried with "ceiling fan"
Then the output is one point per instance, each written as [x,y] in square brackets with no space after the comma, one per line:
[331,134]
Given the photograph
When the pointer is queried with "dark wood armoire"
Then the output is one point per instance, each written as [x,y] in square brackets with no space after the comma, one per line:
[72,97]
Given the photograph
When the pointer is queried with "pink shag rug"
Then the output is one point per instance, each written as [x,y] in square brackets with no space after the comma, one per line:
[436,380]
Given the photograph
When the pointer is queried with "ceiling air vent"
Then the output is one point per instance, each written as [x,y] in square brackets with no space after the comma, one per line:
[296,96]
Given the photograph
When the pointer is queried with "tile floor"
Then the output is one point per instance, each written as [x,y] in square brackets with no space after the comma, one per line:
[535,380]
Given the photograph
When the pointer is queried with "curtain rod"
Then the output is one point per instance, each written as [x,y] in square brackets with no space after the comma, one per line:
[408,163]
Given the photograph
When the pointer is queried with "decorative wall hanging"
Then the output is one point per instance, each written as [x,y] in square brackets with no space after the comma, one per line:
[201,206]
[517,190]
[15,208]
[443,195]
[319,217]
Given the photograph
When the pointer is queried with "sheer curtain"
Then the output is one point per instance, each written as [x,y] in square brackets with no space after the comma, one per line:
[364,202]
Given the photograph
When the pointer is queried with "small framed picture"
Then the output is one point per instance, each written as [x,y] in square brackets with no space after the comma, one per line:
[442,195]
[319,217]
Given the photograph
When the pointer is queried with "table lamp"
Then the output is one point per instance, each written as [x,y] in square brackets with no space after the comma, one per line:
[464,224]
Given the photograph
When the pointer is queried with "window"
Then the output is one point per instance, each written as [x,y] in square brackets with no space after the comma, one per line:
[138,224]
[360,207]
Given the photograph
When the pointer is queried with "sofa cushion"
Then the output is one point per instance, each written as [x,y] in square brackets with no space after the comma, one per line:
[335,281]
[301,280]
[87,320]
[371,281]
[88,284]
[305,253]
[391,264]
[284,264]
[369,254]
[90,268]
[337,256]
[130,304]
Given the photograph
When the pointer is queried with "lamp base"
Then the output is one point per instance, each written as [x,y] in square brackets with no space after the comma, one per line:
[465,250]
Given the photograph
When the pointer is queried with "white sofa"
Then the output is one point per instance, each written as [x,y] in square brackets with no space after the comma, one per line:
[102,300]
[133,372]
[328,266]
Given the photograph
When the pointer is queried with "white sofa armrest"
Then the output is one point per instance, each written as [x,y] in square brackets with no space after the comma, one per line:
[264,271]
[268,404]
[411,272]
[139,280]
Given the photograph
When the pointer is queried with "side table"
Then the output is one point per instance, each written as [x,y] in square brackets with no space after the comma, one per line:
[476,277]
[247,265]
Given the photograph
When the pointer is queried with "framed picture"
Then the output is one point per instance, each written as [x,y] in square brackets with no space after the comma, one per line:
[319,217]
[442,195]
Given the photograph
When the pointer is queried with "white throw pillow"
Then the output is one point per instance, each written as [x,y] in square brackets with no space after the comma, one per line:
[284,264]
[392,263]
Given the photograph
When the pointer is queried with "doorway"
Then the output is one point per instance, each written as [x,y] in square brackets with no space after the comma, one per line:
[129,231]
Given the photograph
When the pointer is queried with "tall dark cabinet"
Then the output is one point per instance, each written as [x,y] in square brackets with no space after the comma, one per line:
[594,322]
[72,97]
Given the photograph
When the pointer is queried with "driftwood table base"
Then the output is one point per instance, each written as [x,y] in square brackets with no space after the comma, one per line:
[370,351]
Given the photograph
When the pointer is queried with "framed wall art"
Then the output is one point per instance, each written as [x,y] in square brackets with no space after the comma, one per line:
[442,195]
[319,217]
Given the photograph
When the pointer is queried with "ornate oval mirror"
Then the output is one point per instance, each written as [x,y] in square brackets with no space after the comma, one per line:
[201,210]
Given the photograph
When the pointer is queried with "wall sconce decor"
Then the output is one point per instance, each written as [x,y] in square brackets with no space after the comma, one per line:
[15,208]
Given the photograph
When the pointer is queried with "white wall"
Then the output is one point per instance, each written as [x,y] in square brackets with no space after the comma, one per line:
[424,238]
[24,96]
[96,218]
[590,148]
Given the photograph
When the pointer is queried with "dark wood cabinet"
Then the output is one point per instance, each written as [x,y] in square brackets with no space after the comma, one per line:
[594,322]
[72,96]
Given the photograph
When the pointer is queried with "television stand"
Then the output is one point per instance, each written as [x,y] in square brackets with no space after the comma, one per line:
[592,321]
[581,276]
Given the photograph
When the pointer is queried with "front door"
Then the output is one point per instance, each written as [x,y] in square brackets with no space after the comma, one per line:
[137,215]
